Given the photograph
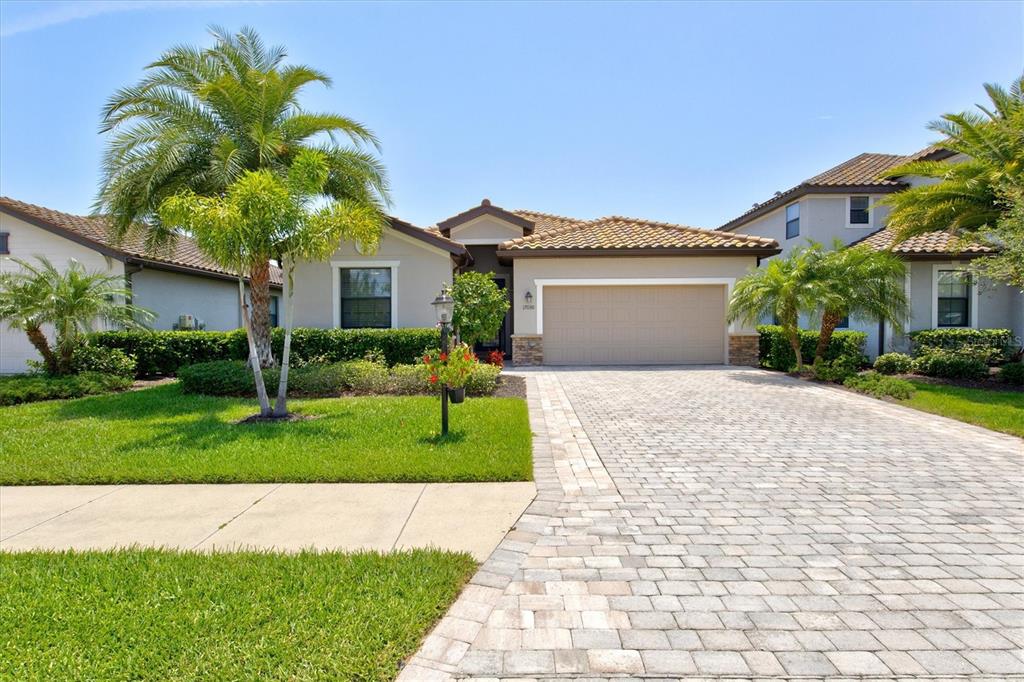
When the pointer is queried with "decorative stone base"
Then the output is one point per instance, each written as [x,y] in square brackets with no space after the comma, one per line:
[743,349]
[527,349]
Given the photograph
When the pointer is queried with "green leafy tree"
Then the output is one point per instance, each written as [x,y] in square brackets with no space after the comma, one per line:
[782,289]
[264,213]
[72,301]
[857,282]
[201,119]
[974,198]
[1007,264]
[480,306]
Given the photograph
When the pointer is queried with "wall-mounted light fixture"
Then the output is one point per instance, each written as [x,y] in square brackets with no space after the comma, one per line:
[528,297]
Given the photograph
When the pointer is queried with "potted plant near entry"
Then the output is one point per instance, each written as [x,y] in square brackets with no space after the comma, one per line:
[451,369]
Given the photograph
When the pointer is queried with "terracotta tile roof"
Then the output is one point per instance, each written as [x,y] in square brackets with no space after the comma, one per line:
[861,173]
[928,244]
[545,222]
[92,231]
[617,233]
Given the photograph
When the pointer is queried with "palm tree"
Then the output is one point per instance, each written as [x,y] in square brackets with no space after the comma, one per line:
[857,282]
[263,212]
[970,195]
[72,301]
[201,118]
[782,289]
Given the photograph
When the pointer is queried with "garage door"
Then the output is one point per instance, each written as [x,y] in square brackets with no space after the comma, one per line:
[634,325]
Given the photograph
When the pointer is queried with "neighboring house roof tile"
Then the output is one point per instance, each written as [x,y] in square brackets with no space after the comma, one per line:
[928,244]
[862,173]
[93,231]
[558,234]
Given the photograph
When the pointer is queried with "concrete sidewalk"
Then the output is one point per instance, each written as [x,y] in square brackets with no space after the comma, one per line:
[470,517]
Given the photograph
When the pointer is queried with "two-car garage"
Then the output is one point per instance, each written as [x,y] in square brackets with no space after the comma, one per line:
[663,324]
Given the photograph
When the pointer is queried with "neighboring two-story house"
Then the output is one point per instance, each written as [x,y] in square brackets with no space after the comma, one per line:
[842,203]
[176,282]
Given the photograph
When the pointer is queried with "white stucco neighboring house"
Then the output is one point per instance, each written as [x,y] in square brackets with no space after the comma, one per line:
[842,203]
[172,282]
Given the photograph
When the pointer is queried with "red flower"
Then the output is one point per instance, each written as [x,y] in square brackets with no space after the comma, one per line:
[426,358]
[444,357]
[433,378]
[467,357]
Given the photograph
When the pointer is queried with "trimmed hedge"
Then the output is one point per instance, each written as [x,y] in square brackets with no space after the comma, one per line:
[893,363]
[92,358]
[30,388]
[234,378]
[965,363]
[1001,341]
[1013,373]
[163,353]
[775,352]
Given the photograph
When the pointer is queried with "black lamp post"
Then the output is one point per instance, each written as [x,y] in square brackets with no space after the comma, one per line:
[444,306]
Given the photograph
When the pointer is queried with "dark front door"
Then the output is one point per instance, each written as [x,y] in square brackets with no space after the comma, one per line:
[502,341]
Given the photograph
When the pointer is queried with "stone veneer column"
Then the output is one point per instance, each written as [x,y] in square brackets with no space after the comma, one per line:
[527,349]
[743,349]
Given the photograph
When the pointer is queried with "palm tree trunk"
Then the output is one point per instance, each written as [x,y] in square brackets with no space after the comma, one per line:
[828,325]
[793,334]
[257,371]
[281,404]
[39,341]
[259,294]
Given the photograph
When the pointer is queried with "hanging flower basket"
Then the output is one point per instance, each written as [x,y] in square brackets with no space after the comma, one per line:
[457,395]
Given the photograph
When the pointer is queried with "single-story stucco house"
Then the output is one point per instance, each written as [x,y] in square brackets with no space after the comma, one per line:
[584,292]
[842,203]
[175,282]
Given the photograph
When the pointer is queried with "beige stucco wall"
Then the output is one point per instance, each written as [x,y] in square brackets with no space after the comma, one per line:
[822,219]
[420,273]
[486,229]
[171,294]
[27,241]
[528,270]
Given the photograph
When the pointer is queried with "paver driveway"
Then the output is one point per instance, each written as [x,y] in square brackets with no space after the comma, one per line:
[729,522]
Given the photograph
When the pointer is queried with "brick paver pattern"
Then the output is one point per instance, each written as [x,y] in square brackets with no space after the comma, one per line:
[736,523]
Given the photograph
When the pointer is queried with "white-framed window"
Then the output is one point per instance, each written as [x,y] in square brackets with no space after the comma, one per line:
[360,297]
[792,221]
[858,211]
[953,298]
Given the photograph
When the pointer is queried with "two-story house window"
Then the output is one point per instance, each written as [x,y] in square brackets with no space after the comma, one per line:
[792,221]
[5,244]
[859,211]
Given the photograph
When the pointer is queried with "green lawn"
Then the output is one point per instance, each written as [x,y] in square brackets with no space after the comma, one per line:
[159,435]
[162,615]
[996,410]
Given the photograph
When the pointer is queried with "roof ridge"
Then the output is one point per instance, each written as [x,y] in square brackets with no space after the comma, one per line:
[550,215]
[685,228]
[553,232]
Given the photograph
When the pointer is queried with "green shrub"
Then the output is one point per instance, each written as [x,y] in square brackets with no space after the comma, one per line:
[90,358]
[967,363]
[162,353]
[365,377]
[29,388]
[880,386]
[775,352]
[220,377]
[837,370]
[312,380]
[410,379]
[1001,341]
[1013,373]
[893,363]
[483,379]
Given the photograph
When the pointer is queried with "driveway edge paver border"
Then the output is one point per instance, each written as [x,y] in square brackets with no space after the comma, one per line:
[442,650]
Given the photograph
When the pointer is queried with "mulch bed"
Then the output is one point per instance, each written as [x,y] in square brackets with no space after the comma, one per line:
[510,387]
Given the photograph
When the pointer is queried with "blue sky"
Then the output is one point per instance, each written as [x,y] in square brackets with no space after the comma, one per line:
[684,112]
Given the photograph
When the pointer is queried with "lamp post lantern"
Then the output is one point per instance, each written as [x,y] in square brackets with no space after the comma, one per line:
[444,306]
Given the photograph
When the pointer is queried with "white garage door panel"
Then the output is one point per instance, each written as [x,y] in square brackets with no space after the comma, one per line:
[634,325]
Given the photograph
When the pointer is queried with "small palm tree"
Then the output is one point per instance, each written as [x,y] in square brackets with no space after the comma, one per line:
[72,301]
[857,282]
[782,289]
[201,119]
[970,195]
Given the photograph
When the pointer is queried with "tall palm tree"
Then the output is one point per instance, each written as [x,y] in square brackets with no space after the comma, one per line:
[201,118]
[970,195]
[72,301]
[857,282]
[782,289]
